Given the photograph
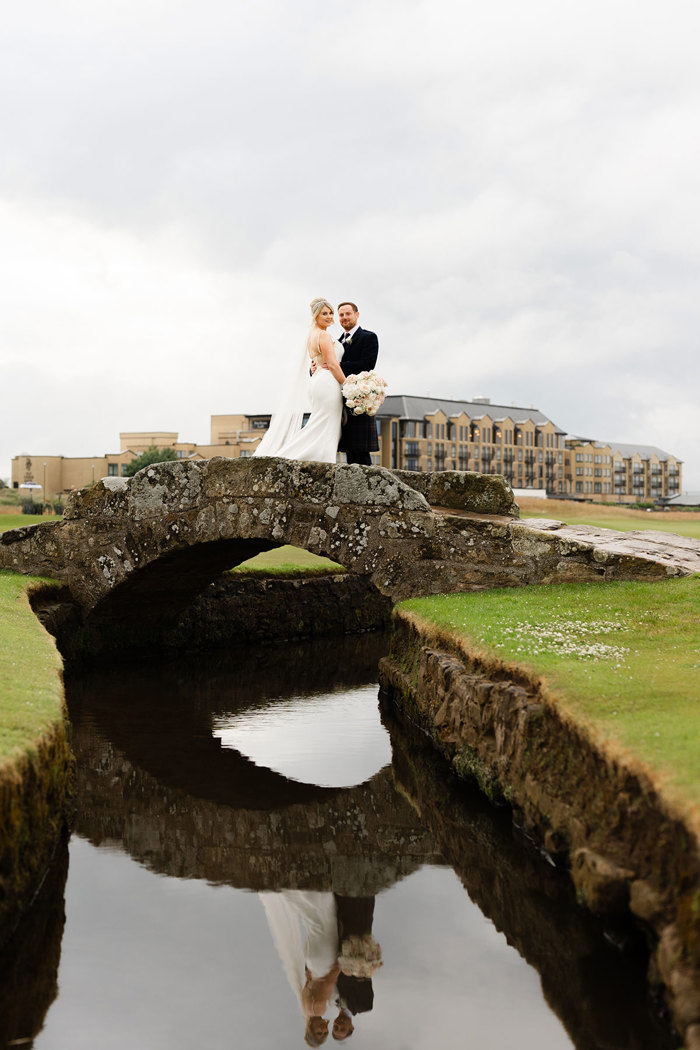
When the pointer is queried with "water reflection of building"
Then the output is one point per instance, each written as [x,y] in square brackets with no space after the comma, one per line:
[417,433]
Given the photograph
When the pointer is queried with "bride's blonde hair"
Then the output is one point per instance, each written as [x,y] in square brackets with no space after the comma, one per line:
[317,305]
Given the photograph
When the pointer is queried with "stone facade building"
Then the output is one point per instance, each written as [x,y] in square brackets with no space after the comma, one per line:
[626,473]
[416,433]
[522,444]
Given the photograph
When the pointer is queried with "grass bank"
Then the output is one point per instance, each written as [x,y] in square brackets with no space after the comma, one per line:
[35,760]
[31,697]
[606,516]
[622,656]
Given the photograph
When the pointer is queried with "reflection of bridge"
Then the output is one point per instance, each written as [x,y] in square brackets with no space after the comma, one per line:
[144,784]
[143,549]
[165,790]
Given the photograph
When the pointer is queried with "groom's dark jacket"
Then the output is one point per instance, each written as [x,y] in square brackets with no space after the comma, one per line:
[359,433]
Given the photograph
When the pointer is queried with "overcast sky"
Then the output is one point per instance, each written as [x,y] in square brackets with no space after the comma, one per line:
[508,189]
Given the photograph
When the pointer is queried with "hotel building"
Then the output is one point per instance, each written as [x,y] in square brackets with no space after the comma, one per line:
[415,433]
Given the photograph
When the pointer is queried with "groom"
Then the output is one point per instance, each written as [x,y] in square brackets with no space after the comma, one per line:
[358,437]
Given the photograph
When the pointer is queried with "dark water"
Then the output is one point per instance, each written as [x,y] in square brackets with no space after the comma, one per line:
[200,838]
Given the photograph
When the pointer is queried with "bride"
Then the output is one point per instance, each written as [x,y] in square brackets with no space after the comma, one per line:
[318,440]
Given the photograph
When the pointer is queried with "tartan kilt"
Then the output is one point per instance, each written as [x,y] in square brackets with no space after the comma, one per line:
[358,434]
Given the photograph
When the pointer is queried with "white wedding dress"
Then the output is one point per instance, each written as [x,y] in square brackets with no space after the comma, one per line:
[304,928]
[318,440]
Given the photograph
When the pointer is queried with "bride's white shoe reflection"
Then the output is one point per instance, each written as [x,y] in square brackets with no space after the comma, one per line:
[333,739]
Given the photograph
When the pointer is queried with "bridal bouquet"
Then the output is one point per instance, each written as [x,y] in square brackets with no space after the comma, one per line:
[360,955]
[364,393]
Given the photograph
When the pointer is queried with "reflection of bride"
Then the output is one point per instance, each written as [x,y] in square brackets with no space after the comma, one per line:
[318,440]
[311,965]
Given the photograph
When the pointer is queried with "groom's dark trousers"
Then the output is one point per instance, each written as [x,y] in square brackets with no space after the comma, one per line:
[358,437]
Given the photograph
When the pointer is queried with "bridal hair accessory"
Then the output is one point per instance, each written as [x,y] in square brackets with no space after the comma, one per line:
[360,956]
[364,393]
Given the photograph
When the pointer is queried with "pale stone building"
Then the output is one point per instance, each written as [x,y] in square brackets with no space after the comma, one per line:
[415,433]
[622,473]
[425,433]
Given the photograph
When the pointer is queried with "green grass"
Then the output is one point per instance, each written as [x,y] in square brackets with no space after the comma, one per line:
[288,560]
[16,521]
[31,694]
[625,656]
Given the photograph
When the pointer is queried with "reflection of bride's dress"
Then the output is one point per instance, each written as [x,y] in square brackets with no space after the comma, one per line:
[304,928]
[318,440]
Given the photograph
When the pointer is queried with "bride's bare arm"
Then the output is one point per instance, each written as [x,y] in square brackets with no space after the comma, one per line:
[330,361]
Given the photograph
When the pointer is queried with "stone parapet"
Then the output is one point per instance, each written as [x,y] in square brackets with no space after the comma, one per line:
[463,490]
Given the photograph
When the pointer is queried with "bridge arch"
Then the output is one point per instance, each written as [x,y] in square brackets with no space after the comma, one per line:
[143,548]
[166,533]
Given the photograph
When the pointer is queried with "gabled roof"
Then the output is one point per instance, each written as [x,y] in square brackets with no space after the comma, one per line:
[406,406]
[645,451]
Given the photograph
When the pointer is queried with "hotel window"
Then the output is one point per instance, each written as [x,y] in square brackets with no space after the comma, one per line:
[245,453]
[579,457]
[124,466]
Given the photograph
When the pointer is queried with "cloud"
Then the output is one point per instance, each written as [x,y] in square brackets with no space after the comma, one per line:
[509,193]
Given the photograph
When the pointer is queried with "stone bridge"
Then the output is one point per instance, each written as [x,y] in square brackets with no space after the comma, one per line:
[141,549]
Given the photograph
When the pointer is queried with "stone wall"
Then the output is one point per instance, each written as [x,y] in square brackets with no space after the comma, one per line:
[629,850]
[234,610]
